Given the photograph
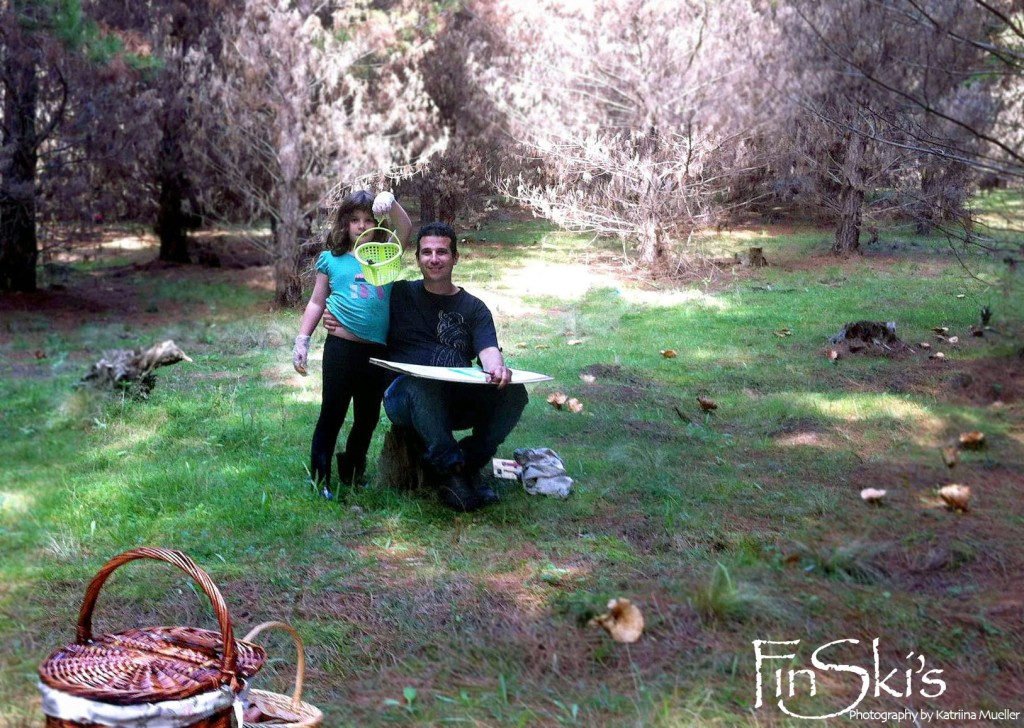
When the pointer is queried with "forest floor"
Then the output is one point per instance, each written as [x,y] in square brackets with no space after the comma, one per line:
[725,528]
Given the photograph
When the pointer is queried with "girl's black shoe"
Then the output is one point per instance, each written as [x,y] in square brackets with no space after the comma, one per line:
[350,470]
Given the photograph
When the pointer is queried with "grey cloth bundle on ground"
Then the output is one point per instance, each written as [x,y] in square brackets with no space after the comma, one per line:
[543,472]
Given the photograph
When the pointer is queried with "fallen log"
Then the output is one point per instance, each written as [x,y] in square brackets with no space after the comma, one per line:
[132,369]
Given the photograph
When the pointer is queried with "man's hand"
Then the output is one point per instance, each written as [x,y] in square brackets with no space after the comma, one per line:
[330,323]
[300,354]
[492,362]
[499,375]
[382,204]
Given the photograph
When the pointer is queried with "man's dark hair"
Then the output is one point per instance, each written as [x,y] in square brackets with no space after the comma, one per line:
[440,230]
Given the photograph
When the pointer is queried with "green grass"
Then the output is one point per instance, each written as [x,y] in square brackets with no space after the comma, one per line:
[725,528]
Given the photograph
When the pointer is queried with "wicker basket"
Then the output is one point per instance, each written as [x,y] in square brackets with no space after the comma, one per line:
[279,710]
[154,665]
[381,262]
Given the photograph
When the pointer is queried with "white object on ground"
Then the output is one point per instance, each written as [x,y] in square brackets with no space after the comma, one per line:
[872,495]
[544,472]
[506,469]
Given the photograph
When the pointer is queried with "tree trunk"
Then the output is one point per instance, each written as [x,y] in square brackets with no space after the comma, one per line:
[448,208]
[428,202]
[287,284]
[847,240]
[651,245]
[851,198]
[170,224]
[18,244]
[287,251]
[170,219]
[923,210]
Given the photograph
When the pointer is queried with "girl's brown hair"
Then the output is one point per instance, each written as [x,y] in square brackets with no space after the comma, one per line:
[338,240]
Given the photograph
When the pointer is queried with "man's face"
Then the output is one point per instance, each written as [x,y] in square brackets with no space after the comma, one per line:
[435,258]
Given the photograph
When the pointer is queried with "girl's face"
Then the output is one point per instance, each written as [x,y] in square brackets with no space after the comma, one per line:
[359,223]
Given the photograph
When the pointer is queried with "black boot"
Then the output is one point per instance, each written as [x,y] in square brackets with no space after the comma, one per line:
[483,490]
[350,470]
[457,492]
[320,478]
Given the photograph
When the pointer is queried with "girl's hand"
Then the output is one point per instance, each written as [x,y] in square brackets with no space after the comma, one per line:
[382,204]
[300,354]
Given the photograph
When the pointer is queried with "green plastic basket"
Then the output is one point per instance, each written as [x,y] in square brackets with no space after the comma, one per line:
[381,262]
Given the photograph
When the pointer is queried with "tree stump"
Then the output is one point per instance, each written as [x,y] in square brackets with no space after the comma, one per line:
[870,337]
[401,459]
[869,333]
[754,258]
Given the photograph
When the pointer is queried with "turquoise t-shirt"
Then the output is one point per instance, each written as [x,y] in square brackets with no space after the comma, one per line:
[361,307]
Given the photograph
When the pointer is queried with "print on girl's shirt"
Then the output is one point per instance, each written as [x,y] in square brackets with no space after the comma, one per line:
[362,289]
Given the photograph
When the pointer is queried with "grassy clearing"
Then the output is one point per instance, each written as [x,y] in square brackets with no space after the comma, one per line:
[726,528]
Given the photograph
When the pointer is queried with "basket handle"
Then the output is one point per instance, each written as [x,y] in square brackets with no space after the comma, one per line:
[177,558]
[394,238]
[300,669]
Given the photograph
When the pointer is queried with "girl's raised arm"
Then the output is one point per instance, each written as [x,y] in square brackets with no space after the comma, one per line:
[384,204]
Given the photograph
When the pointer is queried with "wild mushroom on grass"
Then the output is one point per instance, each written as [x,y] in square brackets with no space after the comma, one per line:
[623,621]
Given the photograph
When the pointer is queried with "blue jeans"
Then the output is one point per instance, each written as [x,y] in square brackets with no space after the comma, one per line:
[434,409]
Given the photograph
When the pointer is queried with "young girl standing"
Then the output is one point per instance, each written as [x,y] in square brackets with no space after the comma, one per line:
[362,309]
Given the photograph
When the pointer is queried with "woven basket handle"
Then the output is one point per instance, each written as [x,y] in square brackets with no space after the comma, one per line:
[183,562]
[300,669]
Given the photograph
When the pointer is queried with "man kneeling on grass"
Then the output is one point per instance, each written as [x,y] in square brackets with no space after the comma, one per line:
[437,323]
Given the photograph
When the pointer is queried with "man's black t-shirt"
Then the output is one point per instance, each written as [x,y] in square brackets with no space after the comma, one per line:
[442,331]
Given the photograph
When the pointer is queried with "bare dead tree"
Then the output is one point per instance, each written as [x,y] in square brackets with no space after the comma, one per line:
[629,115]
[303,101]
[982,41]
[454,67]
[931,85]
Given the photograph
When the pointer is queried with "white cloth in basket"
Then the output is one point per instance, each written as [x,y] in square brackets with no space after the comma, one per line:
[164,714]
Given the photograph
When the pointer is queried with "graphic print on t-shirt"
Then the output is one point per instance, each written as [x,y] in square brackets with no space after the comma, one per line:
[362,289]
[453,340]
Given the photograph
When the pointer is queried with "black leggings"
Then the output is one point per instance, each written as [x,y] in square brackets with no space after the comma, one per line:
[348,376]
